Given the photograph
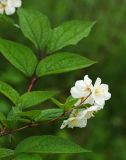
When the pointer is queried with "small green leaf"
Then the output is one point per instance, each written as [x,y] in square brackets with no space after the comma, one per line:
[62,62]
[4,152]
[19,55]
[48,144]
[49,114]
[70,33]
[30,99]
[57,103]
[13,118]
[41,115]
[67,105]
[30,114]
[9,92]
[24,156]
[35,26]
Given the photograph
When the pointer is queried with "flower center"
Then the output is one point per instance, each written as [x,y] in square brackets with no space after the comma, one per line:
[88,89]
[2,5]
[73,122]
[98,91]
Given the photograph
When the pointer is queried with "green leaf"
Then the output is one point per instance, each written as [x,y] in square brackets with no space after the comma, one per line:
[48,144]
[35,26]
[30,114]
[41,115]
[9,92]
[13,118]
[19,55]
[2,118]
[49,114]
[30,99]
[70,104]
[62,62]
[4,18]
[70,33]
[4,152]
[57,103]
[28,157]
[67,105]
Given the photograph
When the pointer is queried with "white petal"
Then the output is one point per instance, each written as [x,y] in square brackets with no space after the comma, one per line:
[88,114]
[80,84]
[3,2]
[100,101]
[76,93]
[87,80]
[64,124]
[16,3]
[9,10]
[107,95]
[105,87]
[89,100]
[72,122]
[95,108]
[82,122]
[76,113]
[97,82]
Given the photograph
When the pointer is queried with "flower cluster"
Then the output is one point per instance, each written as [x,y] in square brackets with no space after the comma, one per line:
[86,94]
[9,6]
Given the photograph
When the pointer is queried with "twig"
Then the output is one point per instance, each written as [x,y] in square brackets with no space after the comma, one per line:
[33,81]
[82,101]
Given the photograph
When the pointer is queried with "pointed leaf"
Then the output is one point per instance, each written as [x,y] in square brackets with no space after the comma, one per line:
[56,102]
[70,33]
[62,62]
[34,98]
[9,92]
[30,114]
[49,114]
[4,152]
[19,55]
[41,115]
[48,144]
[35,26]
[67,105]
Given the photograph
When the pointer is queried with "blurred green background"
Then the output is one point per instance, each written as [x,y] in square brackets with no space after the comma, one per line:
[105,134]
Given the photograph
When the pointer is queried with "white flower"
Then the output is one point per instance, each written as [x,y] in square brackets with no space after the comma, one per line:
[78,118]
[16,3]
[86,93]
[100,93]
[89,94]
[9,6]
[86,100]
[82,88]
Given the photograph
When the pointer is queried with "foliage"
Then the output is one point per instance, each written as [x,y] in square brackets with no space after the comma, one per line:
[25,112]
[105,44]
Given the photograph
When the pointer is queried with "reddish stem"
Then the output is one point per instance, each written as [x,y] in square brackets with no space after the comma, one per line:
[32,84]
